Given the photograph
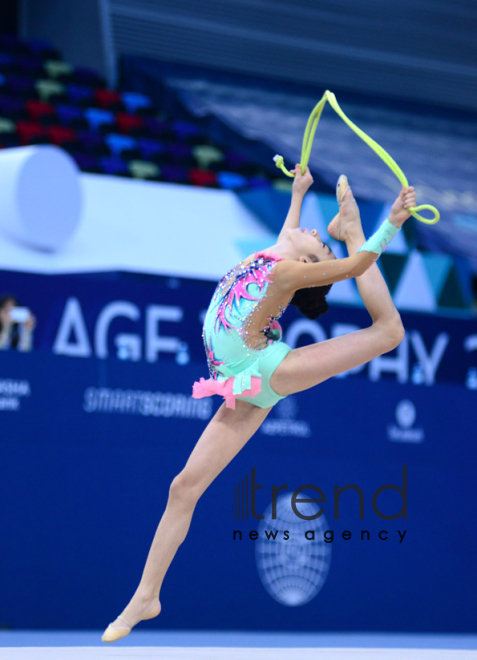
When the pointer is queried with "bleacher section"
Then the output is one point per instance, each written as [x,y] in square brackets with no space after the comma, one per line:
[44,100]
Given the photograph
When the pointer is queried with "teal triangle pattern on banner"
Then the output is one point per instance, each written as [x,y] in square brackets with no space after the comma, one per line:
[370,213]
[414,290]
[438,267]
[344,291]
[392,266]
[452,294]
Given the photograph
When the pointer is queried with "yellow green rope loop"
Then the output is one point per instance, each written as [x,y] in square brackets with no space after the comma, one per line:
[308,141]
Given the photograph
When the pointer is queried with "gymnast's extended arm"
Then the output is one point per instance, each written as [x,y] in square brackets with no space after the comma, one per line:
[300,186]
[293,275]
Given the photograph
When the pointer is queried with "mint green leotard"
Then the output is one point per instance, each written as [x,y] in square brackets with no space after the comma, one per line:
[237,370]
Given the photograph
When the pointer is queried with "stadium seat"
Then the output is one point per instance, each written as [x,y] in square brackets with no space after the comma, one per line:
[71,115]
[174,174]
[31,132]
[237,162]
[62,135]
[39,110]
[141,169]
[128,123]
[7,127]
[58,70]
[12,108]
[206,155]
[113,165]
[109,99]
[202,177]
[231,180]
[80,94]
[92,142]
[180,154]
[151,148]
[134,102]
[50,90]
[98,118]
[3,80]
[118,143]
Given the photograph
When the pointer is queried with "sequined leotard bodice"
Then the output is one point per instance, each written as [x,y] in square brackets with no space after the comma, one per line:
[241,323]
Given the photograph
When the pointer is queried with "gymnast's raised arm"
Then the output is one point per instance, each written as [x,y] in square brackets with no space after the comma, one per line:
[300,186]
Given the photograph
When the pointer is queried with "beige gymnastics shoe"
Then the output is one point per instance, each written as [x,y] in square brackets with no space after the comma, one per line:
[112,634]
[348,215]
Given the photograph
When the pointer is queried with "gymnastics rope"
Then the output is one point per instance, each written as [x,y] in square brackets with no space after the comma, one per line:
[308,141]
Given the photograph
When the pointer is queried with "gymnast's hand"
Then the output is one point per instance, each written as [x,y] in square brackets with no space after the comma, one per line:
[406,200]
[302,181]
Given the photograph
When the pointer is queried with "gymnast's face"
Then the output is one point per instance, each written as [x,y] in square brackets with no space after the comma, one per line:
[308,246]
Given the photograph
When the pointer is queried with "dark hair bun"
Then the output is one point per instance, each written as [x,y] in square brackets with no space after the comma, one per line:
[311,302]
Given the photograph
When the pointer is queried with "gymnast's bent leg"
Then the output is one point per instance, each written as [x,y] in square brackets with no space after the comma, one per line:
[310,365]
[225,435]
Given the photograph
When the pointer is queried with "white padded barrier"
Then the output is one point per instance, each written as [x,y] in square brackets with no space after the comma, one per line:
[40,196]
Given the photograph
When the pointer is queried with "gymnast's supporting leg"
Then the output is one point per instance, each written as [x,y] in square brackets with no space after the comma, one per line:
[225,435]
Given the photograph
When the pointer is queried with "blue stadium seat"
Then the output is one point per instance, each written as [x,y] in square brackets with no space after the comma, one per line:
[96,117]
[79,94]
[113,165]
[118,143]
[135,101]
[150,148]
[231,180]
[69,113]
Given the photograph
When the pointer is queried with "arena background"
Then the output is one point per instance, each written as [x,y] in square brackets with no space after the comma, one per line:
[97,418]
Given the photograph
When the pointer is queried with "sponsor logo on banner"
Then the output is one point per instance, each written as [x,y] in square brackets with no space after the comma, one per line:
[282,420]
[11,393]
[139,402]
[292,569]
[405,431]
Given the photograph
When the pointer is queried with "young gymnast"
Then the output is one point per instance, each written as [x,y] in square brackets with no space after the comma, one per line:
[253,369]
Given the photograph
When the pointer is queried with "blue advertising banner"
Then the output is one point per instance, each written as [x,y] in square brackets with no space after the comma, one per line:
[148,318]
[98,419]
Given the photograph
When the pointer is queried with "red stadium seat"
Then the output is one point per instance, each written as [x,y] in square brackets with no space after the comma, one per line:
[37,110]
[202,177]
[106,98]
[129,123]
[61,135]
[31,132]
